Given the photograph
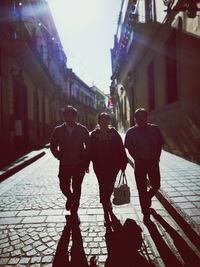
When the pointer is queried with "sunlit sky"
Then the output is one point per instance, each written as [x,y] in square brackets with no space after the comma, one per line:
[86,29]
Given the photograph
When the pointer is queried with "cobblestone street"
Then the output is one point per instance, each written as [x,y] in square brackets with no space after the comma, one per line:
[114,83]
[33,216]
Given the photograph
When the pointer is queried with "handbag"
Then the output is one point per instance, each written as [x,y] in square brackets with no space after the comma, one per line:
[121,192]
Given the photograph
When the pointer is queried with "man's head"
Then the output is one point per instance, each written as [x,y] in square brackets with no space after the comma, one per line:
[70,115]
[140,117]
[104,119]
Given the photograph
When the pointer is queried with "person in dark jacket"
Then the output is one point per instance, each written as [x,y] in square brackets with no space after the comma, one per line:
[144,142]
[108,156]
[69,144]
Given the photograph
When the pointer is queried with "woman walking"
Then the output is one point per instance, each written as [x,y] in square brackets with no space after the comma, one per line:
[108,156]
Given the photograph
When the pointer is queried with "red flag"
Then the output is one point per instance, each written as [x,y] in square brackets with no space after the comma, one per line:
[110,104]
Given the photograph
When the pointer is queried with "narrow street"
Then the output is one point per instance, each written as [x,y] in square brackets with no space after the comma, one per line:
[90,57]
[33,216]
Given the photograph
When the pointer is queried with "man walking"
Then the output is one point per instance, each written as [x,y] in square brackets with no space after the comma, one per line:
[144,142]
[69,144]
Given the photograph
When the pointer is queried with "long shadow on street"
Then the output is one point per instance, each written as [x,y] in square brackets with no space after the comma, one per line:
[187,256]
[123,245]
[74,257]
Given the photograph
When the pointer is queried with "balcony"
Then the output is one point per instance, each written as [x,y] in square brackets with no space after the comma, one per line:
[23,48]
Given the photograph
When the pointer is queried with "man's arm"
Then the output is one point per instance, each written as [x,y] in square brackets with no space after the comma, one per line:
[54,145]
[87,149]
[160,144]
[122,151]
[128,145]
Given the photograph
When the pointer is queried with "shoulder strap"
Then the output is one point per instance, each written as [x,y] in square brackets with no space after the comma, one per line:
[122,179]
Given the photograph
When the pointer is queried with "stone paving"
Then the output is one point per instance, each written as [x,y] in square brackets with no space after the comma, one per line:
[32,218]
[181,187]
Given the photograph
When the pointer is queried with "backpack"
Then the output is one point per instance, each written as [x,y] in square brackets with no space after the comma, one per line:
[132,235]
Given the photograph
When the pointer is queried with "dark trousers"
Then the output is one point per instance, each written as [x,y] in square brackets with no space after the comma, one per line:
[71,178]
[106,179]
[144,168]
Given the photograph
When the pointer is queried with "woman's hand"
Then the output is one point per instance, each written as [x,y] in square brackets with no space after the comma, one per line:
[123,168]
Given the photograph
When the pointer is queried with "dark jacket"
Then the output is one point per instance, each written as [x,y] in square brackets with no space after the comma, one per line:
[70,148]
[107,150]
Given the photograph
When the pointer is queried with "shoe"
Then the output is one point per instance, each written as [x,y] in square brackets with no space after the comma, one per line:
[146,218]
[110,207]
[149,199]
[107,223]
[68,220]
[68,205]
[115,222]
[75,219]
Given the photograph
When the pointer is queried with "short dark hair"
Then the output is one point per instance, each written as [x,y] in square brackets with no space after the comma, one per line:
[104,114]
[140,110]
[69,109]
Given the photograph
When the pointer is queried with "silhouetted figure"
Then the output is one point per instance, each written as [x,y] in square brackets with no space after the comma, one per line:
[108,156]
[74,257]
[123,244]
[144,142]
[69,144]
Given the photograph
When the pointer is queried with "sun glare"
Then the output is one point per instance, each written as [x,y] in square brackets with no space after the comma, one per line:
[76,14]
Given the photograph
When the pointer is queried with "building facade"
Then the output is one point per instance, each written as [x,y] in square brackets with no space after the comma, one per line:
[35,82]
[83,97]
[100,100]
[155,65]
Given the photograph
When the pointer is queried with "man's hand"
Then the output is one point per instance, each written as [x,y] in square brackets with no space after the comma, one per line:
[123,168]
[87,170]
